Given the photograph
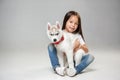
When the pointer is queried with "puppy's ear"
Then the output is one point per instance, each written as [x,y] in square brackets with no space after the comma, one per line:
[58,25]
[48,26]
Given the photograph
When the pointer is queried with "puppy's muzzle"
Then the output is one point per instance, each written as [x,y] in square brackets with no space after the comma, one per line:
[54,40]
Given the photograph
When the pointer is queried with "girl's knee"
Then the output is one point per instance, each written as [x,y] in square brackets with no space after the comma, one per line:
[90,58]
[51,47]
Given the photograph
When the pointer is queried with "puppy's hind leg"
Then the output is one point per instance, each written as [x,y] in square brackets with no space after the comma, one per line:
[78,56]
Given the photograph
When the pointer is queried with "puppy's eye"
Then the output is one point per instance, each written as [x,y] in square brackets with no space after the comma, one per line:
[57,34]
[51,34]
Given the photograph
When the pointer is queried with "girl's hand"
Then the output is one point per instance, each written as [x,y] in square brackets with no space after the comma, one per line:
[77,46]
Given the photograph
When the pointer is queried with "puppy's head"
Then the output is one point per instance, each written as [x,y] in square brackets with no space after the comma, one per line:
[54,32]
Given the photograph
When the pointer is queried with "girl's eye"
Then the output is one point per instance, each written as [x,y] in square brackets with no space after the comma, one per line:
[76,23]
[70,21]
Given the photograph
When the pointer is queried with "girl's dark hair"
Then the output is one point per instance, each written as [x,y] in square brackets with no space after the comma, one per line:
[67,16]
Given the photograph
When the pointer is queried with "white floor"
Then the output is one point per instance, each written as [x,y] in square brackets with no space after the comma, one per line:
[35,65]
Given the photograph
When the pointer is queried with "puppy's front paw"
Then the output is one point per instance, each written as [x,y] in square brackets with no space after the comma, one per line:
[60,71]
[71,72]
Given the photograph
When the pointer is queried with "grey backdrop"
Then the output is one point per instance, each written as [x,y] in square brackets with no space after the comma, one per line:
[23,22]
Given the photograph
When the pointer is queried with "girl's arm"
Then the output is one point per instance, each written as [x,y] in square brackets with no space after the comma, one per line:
[77,46]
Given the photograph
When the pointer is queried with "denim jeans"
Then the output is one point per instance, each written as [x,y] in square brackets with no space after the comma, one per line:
[85,61]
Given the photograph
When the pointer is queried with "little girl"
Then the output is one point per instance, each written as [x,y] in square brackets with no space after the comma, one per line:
[72,24]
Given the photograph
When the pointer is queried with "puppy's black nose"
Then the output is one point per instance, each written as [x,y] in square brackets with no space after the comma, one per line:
[54,40]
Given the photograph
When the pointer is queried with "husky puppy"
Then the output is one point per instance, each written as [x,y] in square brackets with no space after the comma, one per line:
[63,42]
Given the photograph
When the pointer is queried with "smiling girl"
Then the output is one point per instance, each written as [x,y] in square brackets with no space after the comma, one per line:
[72,24]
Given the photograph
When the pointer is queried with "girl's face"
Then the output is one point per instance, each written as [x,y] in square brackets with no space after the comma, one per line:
[71,24]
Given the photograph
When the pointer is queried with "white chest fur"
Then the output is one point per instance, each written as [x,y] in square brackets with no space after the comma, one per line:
[66,44]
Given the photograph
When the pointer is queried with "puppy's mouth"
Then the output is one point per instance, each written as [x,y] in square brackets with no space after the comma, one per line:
[55,41]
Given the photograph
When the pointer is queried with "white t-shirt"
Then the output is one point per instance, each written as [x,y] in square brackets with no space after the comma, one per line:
[75,36]
[79,37]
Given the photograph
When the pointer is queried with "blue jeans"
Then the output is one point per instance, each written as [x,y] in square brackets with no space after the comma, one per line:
[85,61]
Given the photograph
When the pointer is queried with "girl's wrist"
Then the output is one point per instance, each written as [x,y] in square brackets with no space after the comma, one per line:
[77,48]
[80,46]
